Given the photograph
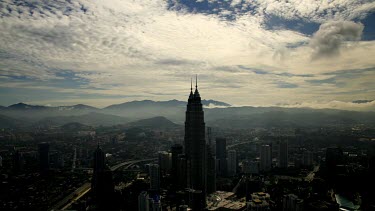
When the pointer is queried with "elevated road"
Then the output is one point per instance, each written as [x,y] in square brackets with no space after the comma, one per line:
[66,202]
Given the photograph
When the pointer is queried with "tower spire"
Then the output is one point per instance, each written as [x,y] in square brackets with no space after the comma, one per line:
[191,84]
[196,81]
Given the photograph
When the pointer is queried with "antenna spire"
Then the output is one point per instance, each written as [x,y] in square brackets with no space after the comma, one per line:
[196,81]
[191,84]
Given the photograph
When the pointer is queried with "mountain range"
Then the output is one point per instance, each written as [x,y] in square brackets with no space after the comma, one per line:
[217,114]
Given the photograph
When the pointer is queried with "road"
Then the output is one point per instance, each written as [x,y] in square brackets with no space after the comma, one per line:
[311,175]
[236,144]
[85,188]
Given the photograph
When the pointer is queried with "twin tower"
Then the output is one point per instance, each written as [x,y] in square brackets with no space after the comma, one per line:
[195,149]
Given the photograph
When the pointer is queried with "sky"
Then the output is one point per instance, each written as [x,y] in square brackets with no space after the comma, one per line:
[289,53]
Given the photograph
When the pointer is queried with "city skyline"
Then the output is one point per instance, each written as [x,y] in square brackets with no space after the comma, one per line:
[263,53]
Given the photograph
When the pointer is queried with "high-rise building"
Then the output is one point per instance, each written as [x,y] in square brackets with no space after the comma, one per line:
[154,172]
[143,202]
[102,186]
[43,149]
[308,158]
[165,162]
[176,151]
[195,144]
[250,167]
[283,154]
[232,162]
[221,156]
[291,202]
[211,170]
[209,139]
[181,172]
[265,158]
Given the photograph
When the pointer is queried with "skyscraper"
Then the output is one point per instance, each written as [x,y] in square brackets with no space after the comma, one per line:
[43,149]
[211,170]
[102,186]
[154,177]
[195,144]
[143,202]
[177,150]
[283,154]
[232,162]
[221,156]
[265,158]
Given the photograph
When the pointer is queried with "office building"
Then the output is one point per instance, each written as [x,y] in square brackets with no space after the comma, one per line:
[232,162]
[291,202]
[221,156]
[43,149]
[265,158]
[143,201]
[283,154]
[176,150]
[154,172]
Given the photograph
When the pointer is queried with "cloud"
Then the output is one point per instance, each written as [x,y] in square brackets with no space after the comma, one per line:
[151,49]
[335,104]
[331,37]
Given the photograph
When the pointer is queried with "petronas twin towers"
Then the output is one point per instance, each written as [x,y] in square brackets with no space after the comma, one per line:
[195,145]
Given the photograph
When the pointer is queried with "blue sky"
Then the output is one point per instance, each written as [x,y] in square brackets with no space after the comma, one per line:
[246,52]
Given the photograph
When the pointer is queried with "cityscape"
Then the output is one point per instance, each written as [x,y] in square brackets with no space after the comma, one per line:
[155,164]
[187,105]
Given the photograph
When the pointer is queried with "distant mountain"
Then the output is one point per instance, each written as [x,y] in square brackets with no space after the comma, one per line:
[23,106]
[172,109]
[158,122]
[250,117]
[37,112]
[170,103]
[91,119]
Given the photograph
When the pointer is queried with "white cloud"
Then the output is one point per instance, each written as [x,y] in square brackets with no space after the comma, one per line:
[141,47]
[331,37]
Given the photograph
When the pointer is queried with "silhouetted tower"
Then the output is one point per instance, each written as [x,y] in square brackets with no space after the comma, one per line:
[102,186]
[195,144]
[211,170]
[43,157]
[283,154]
[221,156]
[176,151]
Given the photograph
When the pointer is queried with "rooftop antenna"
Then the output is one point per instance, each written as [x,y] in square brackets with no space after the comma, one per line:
[191,84]
[196,81]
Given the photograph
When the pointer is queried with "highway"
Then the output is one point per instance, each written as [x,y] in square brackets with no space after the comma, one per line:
[236,144]
[311,175]
[85,188]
